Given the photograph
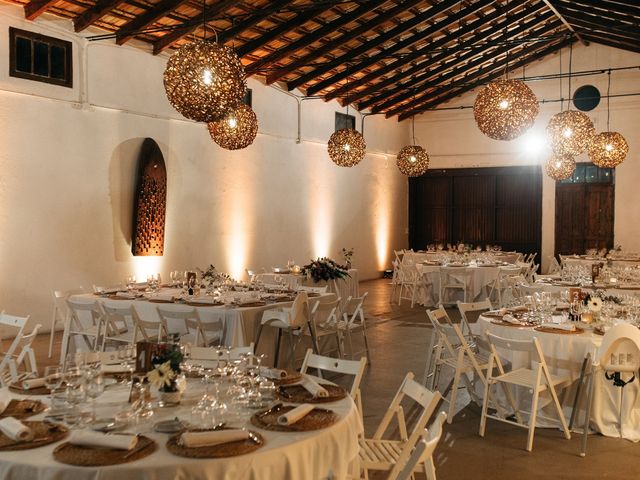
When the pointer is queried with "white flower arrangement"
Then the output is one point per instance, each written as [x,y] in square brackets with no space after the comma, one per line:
[594,304]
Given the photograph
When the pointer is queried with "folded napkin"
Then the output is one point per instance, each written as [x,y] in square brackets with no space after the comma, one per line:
[15,429]
[204,300]
[511,319]
[314,388]
[211,438]
[295,415]
[4,403]
[502,311]
[274,373]
[87,438]
[164,297]
[519,308]
[246,301]
[33,383]
[110,290]
[569,327]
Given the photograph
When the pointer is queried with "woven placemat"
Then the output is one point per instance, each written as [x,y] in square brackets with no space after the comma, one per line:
[502,323]
[23,409]
[199,304]
[560,331]
[253,304]
[231,449]
[299,394]
[117,297]
[103,457]
[31,391]
[157,300]
[283,300]
[43,434]
[316,419]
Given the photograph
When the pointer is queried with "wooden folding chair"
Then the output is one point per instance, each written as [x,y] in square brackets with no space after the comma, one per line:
[60,312]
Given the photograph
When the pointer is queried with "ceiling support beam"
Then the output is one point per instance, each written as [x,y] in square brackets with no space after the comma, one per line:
[567,24]
[93,14]
[129,30]
[35,8]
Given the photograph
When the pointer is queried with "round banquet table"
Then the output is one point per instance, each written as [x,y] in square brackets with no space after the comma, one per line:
[564,353]
[319,454]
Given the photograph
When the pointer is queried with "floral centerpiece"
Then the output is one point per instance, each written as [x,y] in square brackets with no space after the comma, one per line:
[325,269]
[211,276]
[167,375]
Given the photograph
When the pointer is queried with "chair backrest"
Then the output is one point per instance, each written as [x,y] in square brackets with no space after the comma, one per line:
[470,311]
[172,314]
[423,450]
[79,308]
[305,288]
[299,313]
[26,355]
[554,266]
[60,307]
[447,336]
[336,365]
[144,327]
[117,310]
[325,312]
[620,349]
[440,315]
[353,309]
[510,345]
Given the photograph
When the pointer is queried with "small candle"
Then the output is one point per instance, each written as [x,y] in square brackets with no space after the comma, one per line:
[586,317]
[613,280]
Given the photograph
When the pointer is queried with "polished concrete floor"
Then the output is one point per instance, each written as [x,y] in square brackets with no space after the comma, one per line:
[399,338]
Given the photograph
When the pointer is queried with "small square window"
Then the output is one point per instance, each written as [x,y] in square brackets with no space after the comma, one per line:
[345,121]
[41,58]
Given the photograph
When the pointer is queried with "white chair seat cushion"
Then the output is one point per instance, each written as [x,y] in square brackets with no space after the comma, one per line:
[379,454]
[527,378]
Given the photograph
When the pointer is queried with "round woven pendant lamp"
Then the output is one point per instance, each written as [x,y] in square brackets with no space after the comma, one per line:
[608,149]
[560,167]
[413,161]
[237,130]
[204,81]
[505,109]
[346,147]
[570,132]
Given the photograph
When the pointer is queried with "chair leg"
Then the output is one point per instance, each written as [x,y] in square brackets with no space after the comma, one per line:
[576,399]
[53,330]
[532,419]
[277,354]
[293,350]
[366,343]
[485,406]
[587,413]
[454,395]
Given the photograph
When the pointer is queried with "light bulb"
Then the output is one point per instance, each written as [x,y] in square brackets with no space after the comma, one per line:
[347,147]
[567,132]
[207,76]
[232,122]
[504,104]
[412,159]
[558,164]
[608,147]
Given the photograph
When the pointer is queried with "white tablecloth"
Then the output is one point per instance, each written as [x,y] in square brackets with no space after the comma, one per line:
[313,455]
[564,354]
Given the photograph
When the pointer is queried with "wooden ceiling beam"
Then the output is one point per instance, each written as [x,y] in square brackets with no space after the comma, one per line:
[443,94]
[311,37]
[140,22]
[93,14]
[346,58]
[422,71]
[336,42]
[298,20]
[191,25]
[567,24]
[601,6]
[603,18]
[35,8]
[433,29]
[631,35]
[440,79]
[608,41]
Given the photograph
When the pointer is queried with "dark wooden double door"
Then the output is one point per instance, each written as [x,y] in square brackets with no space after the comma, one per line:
[584,217]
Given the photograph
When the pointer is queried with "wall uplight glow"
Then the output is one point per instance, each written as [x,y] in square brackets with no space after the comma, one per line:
[145,266]
[382,223]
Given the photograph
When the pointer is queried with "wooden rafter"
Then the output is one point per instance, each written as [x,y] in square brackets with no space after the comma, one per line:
[298,20]
[93,14]
[527,55]
[337,42]
[441,80]
[188,27]
[161,9]
[464,52]
[600,7]
[607,40]
[346,58]
[631,34]
[432,29]
[313,36]
[604,19]
[562,19]
[35,8]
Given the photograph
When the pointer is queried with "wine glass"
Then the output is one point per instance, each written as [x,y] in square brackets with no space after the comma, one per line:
[95,388]
[53,379]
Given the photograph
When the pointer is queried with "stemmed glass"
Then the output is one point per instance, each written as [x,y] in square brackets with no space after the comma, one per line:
[75,379]
[53,379]
[95,388]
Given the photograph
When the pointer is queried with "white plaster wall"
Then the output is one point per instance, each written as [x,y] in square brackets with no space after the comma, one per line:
[454,141]
[68,162]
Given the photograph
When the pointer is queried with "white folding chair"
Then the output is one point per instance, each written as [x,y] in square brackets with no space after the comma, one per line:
[19,357]
[209,356]
[353,320]
[86,318]
[148,330]
[423,451]
[554,266]
[469,313]
[537,378]
[60,312]
[308,289]
[429,378]
[380,454]
[338,365]
[452,279]
[454,351]
[195,332]
[119,313]
[289,320]
[324,321]
[618,359]
[504,284]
